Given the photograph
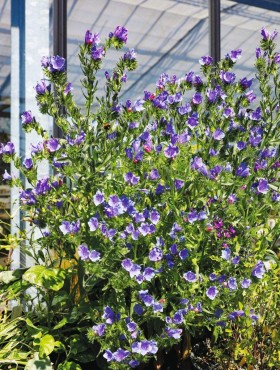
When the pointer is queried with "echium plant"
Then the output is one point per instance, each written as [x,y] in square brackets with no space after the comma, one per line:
[157,222]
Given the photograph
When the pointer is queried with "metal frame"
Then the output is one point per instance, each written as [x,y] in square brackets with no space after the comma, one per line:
[215,29]
[59,39]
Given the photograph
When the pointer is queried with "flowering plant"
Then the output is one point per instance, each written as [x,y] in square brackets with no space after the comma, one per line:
[157,222]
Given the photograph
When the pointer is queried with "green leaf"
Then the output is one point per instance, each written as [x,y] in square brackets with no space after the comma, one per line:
[38,364]
[33,275]
[60,324]
[47,345]
[69,366]
[53,279]
[7,277]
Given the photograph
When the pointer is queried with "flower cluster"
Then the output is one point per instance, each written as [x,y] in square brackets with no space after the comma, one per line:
[161,204]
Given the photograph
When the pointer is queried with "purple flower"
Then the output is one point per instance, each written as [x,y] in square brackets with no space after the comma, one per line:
[130,55]
[243,170]
[232,284]
[192,121]
[6,176]
[92,38]
[171,151]
[45,62]
[8,149]
[57,64]
[212,292]
[266,35]
[197,98]
[83,252]
[263,187]
[42,88]
[144,347]
[68,88]
[190,276]
[241,145]
[97,53]
[236,260]
[138,105]
[155,254]
[174,333]
[127,264]
[52,145]
[277,58]
[197,164]
[27,197]
[275,197]
[245,283]
[93,223]
[212,277]
[192,217]
[28,163]
[131,179]
[234,55]
[244,83]
[154,175]
[206,61]
[259,270]
[146,298]
[154,217]
[218,134]
[138,309]
[235,314]
[183,254]
[149,273]
[108,355]
[26,117]
[227,77]
[178,317]
[178,184]
[110,316]
[42,186]
[98,198]
[226,253]
[94,256]
[67,227]
[250,96]
[232,198]
[133,363]
[184,109]
[120,34]
[120,355]
[99,329]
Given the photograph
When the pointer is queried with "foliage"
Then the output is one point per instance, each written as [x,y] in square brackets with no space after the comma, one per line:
[158,223]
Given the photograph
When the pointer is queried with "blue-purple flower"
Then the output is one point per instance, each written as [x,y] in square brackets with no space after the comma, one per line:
[97,53]
[227,77]
[67,227]
[120,34]
[190,276]
[155,254]
[259,270]
[144,347]
[245,283]
[243,170]
[171,151]
[131,179]
[212,292]
[42,88]
[206,60]
[99,329]
[52,145]
[57,64]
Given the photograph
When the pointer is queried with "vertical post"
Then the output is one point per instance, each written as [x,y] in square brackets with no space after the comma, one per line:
[59,38]
[215,29]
